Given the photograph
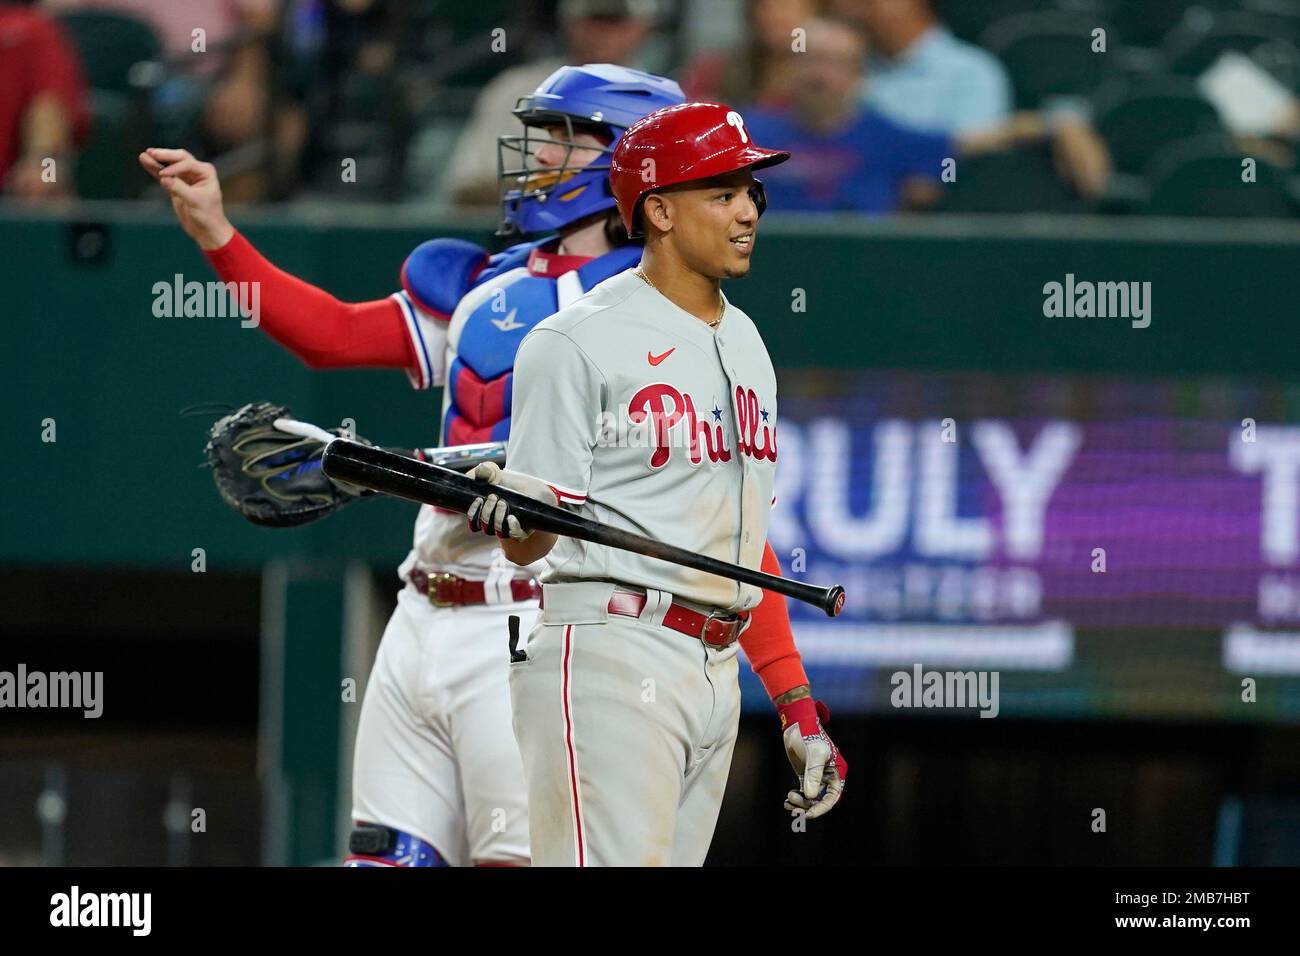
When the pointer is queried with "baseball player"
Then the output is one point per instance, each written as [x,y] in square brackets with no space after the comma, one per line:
[626,699]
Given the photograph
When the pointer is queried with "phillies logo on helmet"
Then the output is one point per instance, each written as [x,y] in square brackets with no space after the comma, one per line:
[738,121]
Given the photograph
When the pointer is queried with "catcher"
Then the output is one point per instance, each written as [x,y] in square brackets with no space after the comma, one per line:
[437,776]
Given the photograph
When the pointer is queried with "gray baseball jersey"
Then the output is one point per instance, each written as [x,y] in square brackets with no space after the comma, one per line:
[643,417]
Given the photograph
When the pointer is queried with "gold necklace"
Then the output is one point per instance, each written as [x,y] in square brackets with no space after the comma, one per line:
[722,303]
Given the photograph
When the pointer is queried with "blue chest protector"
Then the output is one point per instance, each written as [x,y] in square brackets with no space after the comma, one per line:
[480,377]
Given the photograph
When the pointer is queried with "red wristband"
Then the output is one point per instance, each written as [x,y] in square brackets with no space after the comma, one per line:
[802,712]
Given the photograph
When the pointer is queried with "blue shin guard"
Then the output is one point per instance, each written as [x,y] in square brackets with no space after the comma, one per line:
[375,845]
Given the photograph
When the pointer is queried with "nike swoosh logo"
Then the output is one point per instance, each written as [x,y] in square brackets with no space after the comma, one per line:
[656,359]
[508,323]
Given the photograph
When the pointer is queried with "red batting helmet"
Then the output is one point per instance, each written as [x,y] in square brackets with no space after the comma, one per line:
[678,144]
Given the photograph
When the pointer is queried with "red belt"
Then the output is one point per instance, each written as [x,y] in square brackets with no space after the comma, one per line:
[445,589]
[711,628]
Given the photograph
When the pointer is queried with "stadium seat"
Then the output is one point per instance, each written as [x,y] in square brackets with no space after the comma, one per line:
[456,51]
[1203,177]
[1049,54]
[1020,181]
[1139,120]
[969,20]
[1287,10]
[106,168]
[110,44]
[1192,48]
[1148,22]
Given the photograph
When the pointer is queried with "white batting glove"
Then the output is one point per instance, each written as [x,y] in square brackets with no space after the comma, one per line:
[817,762]
[491,515]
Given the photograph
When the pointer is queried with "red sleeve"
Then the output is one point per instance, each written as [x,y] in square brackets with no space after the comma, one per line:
[769,641]
[318,328]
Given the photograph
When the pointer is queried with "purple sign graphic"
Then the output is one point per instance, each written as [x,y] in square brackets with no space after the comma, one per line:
[1024,523]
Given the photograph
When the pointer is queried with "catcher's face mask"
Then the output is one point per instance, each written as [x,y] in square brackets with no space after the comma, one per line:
[552,174]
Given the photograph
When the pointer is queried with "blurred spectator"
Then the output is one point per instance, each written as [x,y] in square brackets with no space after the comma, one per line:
[848,157]
[594,31]
[228,79]
[222,22]
[761,70]
[923,76]
[43,112]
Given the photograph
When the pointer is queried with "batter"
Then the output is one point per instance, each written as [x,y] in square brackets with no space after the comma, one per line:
[626,701]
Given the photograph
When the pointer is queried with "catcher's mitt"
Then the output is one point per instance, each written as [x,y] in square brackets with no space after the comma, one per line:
[267,467]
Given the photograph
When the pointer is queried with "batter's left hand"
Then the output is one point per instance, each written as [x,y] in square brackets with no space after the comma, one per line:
[816,760]
[491,515]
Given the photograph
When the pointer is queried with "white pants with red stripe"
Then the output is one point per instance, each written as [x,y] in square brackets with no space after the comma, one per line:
[626,730]
[435,755]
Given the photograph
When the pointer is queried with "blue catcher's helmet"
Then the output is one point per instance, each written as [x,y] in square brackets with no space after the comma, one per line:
[598,98]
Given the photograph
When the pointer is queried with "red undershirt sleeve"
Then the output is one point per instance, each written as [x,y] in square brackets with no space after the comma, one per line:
[318,328]
[769,640]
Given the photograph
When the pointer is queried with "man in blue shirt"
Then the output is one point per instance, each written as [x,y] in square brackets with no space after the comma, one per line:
[922,76]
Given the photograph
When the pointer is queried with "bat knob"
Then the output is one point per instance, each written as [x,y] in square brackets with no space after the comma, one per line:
[833,603]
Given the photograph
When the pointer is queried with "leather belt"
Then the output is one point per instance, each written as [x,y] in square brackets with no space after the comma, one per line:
[445,589]
[713,629]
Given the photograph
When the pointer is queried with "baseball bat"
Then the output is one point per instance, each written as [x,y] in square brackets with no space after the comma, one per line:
[430,484]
